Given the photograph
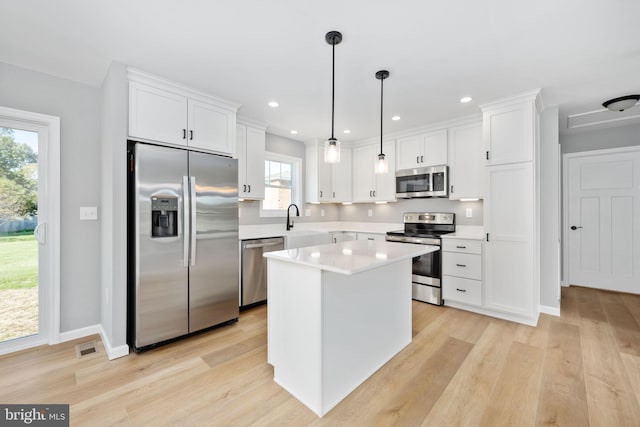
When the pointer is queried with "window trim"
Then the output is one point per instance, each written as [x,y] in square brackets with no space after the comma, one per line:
[296,183]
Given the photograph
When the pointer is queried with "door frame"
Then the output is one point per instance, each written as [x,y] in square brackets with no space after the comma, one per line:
[49,295]
[565,197]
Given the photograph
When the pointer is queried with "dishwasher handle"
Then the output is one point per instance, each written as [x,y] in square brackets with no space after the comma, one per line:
[261,245]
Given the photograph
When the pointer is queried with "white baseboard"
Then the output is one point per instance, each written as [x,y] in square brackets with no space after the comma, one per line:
[553,311]
[112,352]
[80,333]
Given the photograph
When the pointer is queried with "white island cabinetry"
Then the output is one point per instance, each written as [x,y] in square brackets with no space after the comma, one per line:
[336,314]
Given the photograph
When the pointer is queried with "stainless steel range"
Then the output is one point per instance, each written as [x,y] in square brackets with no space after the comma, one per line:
[425,228]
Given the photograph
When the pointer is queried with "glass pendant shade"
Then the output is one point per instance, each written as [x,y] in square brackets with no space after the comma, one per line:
[332,151]
[382,165]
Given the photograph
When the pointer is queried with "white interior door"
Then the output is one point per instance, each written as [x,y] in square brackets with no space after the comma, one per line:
[603,228]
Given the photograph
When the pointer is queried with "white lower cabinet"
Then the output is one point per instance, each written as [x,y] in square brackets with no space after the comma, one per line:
[342,236]
[371,236]
[462,271]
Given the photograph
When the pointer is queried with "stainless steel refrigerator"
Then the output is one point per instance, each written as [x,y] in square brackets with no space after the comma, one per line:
[183,243]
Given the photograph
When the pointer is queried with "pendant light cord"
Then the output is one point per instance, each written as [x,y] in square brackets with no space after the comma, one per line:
[333,83]
[381,105]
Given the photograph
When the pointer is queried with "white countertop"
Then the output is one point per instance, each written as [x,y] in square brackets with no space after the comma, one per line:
[274,230]
[466,232]
[351,257]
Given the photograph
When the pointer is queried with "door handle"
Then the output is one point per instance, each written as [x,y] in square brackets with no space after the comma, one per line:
[249,186]
[370,193]
[421,159]
[461,290]
[374,193]
[461,247]
[460,265]
[417,159]
[261,245]
[193,220]
[573,227]
[244,188]
[191,135]
[184,134]
[320,193]
[186,220]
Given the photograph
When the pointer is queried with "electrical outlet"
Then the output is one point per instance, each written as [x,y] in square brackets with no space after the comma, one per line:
[307,212]
[321,212]
[89,213]
[370,212]
[469,213]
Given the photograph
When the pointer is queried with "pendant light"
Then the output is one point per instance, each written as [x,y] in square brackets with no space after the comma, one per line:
[332,145]
[382,165]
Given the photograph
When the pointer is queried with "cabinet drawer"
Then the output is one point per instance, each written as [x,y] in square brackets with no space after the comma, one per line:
[463,246]
[371,236]
[466,291]
[462,265]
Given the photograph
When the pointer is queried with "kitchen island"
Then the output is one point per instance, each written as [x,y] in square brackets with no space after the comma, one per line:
[336,314]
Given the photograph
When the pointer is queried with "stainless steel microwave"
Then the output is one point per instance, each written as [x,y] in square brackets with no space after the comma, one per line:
[432,181]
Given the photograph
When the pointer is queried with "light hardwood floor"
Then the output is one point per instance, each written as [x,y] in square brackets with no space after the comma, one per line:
[581,369]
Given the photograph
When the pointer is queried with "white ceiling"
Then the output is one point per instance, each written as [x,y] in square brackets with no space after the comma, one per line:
[581,52]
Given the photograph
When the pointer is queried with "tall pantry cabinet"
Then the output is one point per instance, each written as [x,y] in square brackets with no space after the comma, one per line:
[511,140]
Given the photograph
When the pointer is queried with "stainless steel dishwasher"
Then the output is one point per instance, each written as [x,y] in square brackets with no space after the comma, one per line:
[254,269]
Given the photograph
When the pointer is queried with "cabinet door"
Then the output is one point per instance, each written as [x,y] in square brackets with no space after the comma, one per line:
[466,163]
[211,127]
[435,149]
[363,171]
[241,154]
[325,173]
[157,115]
[509,134]
[385,189]
[341,182]
[409,152]
[255,163]
[508,210]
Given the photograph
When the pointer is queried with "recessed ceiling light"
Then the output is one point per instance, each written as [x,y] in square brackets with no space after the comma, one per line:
[395,118]
[347,131]
[293,132]
[273,104]
[465,99]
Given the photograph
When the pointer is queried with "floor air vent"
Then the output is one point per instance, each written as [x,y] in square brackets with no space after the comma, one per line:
[86,349]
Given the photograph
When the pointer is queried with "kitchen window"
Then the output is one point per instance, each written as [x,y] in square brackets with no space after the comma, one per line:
[281,184]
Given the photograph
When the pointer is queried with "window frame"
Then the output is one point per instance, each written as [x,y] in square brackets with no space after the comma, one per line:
[296,183]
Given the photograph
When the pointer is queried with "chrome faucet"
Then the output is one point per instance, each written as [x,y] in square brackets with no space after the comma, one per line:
[289,222]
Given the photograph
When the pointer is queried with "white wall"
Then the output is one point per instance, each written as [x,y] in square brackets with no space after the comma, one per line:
[549,161]
[621,136]
[113,307]
[78,107]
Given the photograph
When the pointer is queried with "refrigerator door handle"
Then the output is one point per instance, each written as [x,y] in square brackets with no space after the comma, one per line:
[193,220]
[185,221]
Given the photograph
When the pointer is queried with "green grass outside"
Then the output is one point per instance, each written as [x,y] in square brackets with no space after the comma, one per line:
[18,261]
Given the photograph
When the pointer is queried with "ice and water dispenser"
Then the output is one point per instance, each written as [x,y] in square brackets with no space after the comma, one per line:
[164,216]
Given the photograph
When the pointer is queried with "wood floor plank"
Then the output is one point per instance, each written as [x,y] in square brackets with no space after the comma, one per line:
[563,396]
[466,397]
[480,371]
[514,397]
[610,398]
[625,328]
[417,397]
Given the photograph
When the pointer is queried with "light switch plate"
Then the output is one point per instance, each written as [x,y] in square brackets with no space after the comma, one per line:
[88,213]
[469,213]
[370,212]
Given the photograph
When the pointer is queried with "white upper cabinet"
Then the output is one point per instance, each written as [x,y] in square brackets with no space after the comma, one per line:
[165,112]
[466,165]
[509,133]
[326,182]
[367,185]
[429,149]
[250,142]
[210,127]
[157,115]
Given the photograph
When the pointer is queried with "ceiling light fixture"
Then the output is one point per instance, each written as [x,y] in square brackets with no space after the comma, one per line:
[382,165]
[465,99]
[347,131]
[273,104]
[395,118]
[293,132]
[621,103]
[332,145]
